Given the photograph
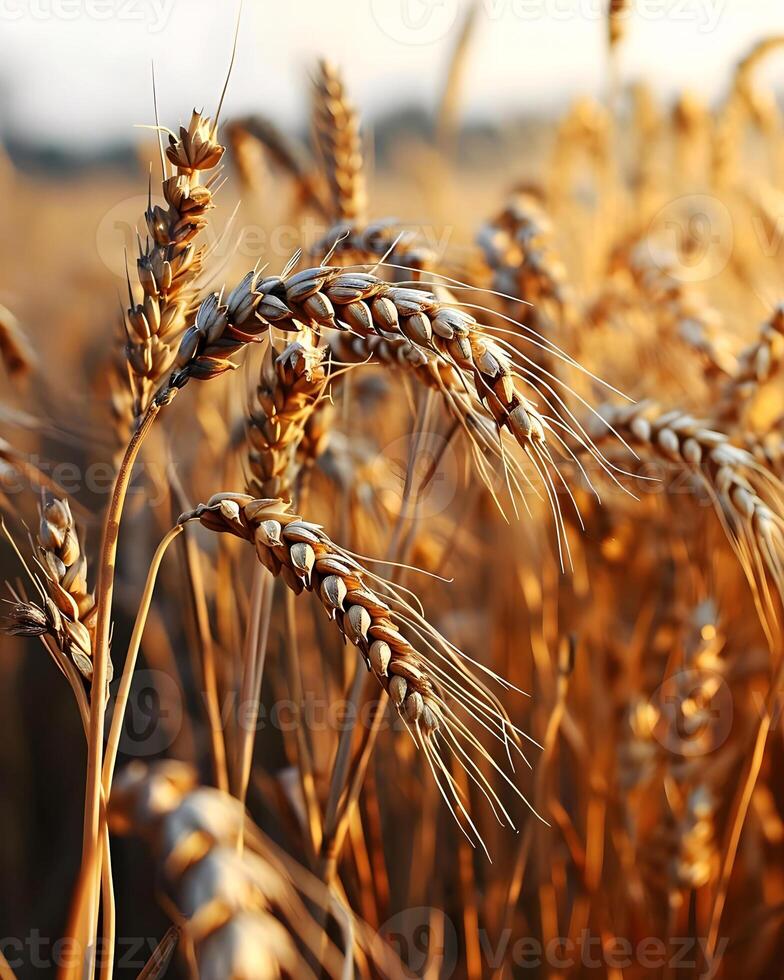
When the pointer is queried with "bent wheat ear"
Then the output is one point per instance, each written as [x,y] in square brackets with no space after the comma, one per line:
[748,498]
[427,680]
[243,912]
[519,246]
[757,364]
[353,243]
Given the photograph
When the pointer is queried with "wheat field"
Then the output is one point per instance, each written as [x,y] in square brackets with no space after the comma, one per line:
[393,577]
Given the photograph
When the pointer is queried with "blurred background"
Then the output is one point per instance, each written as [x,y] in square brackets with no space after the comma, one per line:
[75,74]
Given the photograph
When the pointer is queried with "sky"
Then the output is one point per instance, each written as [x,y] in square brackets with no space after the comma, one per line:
[79,70]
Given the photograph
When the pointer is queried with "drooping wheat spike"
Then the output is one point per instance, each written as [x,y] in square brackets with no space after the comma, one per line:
[169,261]
[745,102]
[427,679]
[339,144]
[293,380]
[246,154]
[16,351]
[243,913]
[748,499]
[757,364]
[327,298]
[768,448]
[760,105]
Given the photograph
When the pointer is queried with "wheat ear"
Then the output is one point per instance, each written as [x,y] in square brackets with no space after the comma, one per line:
[242,912]
[292,382]
[424,682]
[756,365]
[169,261]
[339,144]
[748,498]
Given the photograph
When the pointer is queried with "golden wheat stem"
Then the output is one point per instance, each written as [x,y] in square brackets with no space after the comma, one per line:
[201,615]
[305,766]
[741,806]
[253,659]
[124,690]
[103,599]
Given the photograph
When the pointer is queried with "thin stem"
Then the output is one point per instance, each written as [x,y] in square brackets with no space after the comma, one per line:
[743,801]
[305,759]
[209,673]
[91,848]
[253,673]
[124,690]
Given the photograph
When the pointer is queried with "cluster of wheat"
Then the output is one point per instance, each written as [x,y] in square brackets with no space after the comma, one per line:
[546,459]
